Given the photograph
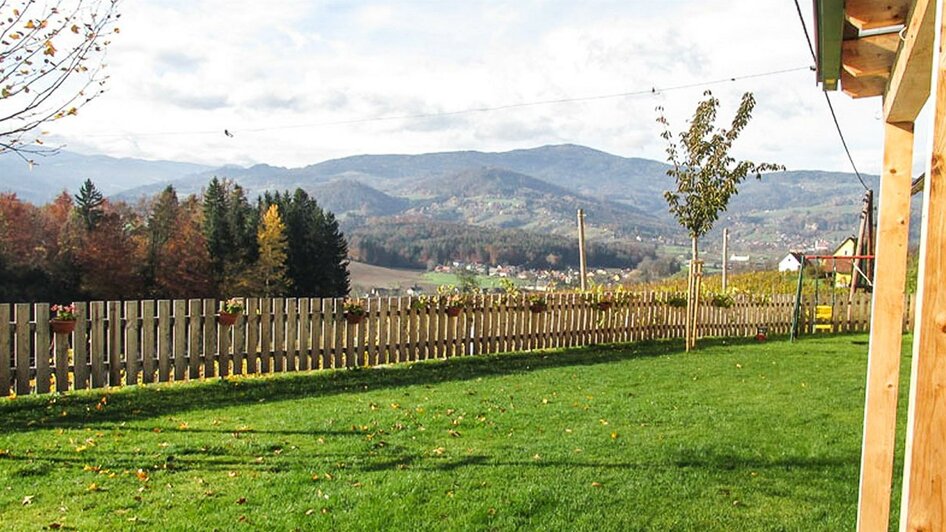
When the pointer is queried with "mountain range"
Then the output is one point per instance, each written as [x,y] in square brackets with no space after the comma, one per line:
[535,190]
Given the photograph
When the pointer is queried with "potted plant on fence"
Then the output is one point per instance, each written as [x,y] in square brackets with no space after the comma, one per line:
[452,300]
[537,303]
[229,310]
[65,320]
[354,311]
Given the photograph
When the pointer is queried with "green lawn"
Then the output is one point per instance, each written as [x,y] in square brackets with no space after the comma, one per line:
[484,281]
[736,436]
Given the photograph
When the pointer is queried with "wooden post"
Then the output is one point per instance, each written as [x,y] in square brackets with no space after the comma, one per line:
[924,492]
[582,259]
[725,259]
[883,365]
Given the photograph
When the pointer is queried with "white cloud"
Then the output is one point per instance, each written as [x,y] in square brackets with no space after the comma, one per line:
[188,70]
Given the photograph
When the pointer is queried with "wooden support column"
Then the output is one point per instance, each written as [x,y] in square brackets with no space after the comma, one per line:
[924,483]
[886,330]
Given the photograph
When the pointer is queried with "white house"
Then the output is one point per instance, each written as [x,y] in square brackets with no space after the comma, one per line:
[790,263]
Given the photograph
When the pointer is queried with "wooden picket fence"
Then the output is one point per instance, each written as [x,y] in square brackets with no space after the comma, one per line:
[140,342]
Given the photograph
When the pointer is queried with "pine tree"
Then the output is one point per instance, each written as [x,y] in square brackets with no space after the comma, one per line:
[215,226]
[90,204]
[269,277]
[161,224]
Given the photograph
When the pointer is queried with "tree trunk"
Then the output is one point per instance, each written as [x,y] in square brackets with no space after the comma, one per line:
[693,296]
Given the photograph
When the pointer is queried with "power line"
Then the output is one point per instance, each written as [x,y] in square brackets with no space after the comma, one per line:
[641,92]
[827,98]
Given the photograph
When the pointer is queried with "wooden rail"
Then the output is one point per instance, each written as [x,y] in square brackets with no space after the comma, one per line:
[141,342]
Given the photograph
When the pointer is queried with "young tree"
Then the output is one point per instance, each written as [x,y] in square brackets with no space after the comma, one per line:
[707,176]
[90,204]
[269,277]
[50,65]
[705,172]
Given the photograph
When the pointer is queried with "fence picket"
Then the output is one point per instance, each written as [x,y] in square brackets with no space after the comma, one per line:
[148,341]
[23,348]
[132,346]
[42,348]
[6,350]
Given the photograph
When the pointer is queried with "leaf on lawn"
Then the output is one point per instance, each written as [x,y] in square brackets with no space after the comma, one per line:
[614,435]
[54,526]
[603,421]
[142,475]
[241,500]
[597,485]
[453,433]
[310,511]
[94,487]
[28,500]
[182,426]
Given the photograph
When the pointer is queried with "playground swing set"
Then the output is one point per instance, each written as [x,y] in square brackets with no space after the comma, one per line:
[861,265]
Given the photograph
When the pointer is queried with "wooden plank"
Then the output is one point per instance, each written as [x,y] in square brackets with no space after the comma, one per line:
[61,362]
[279,335]
[148,341]
[924,490]
[239,344]
[252,335]
[42,348]
[194,328]
[328,332]
[24,340]
[165,350]
[80,348]
[266,335]
[6,349]
[909,85]
[340,327]
[874,14]
[116,365]
[224,340]
[305,334]
[318,317]
[132,345]
[292,334]
[97,344]
[209,351]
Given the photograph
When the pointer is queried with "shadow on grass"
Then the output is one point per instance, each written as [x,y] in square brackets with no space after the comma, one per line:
[79,410]
[207,460]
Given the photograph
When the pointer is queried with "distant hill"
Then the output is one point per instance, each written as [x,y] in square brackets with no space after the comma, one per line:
[66,171]
[348,196]
[537,190]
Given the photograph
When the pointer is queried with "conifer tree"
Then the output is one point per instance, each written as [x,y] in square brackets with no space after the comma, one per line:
[161,224]
[215,226]
[90,204]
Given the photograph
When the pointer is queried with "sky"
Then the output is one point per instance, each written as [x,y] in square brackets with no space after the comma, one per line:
[301,81]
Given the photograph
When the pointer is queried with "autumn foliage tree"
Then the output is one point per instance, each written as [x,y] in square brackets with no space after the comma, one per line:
[269,277]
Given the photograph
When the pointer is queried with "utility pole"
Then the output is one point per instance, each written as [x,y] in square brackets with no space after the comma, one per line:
[582,260]
[725,258]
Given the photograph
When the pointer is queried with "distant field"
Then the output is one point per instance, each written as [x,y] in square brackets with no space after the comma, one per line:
[367,276]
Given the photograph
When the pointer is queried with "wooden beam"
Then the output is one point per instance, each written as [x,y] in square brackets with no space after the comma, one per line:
[872,14]
[870,56]
[924,483]
[886,330]
[862,87]
[909,85]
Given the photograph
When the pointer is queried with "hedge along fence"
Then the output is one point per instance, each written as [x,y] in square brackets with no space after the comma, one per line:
[140,342]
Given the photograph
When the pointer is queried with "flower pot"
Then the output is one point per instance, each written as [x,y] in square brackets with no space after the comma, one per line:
[604,305]
[353,319]
[538,307]
[453,312]
[227,318]
[62,326]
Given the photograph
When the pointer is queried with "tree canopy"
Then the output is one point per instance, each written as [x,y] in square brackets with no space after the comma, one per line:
[706,174]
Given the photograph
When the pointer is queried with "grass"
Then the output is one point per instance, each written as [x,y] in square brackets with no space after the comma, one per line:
[736,436]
